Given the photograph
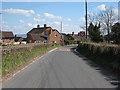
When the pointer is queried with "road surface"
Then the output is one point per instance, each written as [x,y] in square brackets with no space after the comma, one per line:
[62,68]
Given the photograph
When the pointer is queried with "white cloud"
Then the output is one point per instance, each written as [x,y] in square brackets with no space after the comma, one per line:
[39,20]
[81,19]
[102,7]
[35,25]
[21,21]
[56,23]
[68,19]
[115,12]
[52,16]
[32,11]
[30,24]
[91,14]
[19,11]
[67,28]
[38,15]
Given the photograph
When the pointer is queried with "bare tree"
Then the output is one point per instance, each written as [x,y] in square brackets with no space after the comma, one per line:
[107,19]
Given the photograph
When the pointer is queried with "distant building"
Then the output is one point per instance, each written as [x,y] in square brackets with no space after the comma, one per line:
[20,40]
[7,37]
[43,35]
[73,36]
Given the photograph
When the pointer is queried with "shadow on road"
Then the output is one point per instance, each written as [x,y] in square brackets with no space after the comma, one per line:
[106,73]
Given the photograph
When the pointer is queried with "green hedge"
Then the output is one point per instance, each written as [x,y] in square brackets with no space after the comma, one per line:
[70,42]
[107,55]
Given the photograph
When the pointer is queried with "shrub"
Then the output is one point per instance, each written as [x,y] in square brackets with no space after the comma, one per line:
[107,55]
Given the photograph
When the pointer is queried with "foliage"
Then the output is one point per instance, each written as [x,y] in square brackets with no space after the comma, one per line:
[71,42]
[116,33]
[94,33]
[11,61]
[106,55]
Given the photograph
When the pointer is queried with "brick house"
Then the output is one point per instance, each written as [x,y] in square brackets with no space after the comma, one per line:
[43,35]
[73,36]
[7,37]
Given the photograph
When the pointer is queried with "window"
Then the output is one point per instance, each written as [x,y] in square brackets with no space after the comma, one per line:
[9,38]
[55,34]
[45,41]
[55,42]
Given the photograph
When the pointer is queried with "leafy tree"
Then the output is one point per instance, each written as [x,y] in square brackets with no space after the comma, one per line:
[94,32]
[115,34]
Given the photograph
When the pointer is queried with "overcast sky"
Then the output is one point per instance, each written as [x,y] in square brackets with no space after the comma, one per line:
[21,17]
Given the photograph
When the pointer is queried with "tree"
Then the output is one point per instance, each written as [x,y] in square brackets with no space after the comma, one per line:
[107,19]
[115,34]
[94,32]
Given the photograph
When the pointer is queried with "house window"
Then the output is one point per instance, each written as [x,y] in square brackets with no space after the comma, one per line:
[54,42]
[45,41]
[9,38]
[38,41]
[55,34]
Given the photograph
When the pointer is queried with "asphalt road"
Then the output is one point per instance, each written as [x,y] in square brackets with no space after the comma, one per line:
[62,68]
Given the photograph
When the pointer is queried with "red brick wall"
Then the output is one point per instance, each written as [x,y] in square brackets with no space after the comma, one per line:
[8,41]
[53,38]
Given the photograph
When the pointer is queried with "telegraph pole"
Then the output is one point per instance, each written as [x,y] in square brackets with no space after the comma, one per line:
[119,11]
[86,17]
[61,30]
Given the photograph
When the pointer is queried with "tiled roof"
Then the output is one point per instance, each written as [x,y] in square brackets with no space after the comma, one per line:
[75,36]
[39,30]
[37,37]
[6,34]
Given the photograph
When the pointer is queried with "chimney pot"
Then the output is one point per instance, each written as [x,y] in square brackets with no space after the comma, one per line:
[38,26]
[45,25]
[72,33]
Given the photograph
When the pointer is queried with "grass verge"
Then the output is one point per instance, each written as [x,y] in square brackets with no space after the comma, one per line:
[12,61]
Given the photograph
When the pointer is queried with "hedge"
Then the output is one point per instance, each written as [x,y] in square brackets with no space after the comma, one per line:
[104,54]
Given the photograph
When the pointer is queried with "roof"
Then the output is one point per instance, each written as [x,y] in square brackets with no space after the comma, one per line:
[38,30]
[6,34]
[75,36]
[37,37]
[55,30]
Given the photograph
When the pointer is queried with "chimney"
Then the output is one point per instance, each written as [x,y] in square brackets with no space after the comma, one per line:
[38,26]
[73,33]
[45,25]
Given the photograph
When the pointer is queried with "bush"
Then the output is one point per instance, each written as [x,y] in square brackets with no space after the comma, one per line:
[107,55]
[69,42]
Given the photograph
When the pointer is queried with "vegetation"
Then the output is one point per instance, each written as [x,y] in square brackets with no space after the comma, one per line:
[107,19]
[105,54]
[71,42]
[115,34]
[94,33]
[11,61]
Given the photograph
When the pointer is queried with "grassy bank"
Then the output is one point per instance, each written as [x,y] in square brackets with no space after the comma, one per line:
[106,55]
[11,61]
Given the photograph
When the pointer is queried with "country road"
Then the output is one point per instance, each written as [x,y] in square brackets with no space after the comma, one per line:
[62,68]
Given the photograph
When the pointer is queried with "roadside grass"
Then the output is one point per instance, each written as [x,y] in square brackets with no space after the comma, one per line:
[12,61]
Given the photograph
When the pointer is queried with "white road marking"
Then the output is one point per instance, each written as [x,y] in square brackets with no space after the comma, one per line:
[30,64]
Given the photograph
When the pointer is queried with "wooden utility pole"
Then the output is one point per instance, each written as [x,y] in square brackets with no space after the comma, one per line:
[86,17]
[119,11]
[61,30]
[62,40]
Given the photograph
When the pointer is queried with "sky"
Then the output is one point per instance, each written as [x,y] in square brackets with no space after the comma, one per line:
[21,17]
